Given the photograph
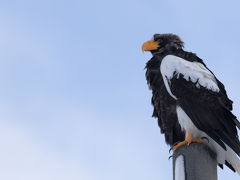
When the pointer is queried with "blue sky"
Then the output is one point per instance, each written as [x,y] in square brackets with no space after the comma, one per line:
[73,97]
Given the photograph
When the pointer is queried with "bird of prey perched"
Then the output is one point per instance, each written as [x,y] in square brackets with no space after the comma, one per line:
[189,101]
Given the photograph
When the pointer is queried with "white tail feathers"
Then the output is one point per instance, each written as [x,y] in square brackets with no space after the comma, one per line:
[232,159]
[236,166]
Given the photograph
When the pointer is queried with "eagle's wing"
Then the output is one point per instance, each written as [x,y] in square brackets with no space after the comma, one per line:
[202,98]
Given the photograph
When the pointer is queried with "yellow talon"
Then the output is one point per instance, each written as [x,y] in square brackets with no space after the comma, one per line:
[187,141]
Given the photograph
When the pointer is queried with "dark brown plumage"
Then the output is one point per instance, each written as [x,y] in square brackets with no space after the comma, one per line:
[209,111]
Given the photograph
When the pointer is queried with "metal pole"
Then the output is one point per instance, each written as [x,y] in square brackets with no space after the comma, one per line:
[194,162]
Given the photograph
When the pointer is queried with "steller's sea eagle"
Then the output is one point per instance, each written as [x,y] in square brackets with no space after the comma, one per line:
[189,101]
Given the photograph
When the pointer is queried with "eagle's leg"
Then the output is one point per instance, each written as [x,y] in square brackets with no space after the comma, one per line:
[188,141]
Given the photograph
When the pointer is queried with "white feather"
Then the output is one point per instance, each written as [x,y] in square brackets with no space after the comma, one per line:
[191,71]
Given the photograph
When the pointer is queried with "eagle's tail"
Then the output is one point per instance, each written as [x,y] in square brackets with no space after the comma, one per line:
[227,157]
[232,161]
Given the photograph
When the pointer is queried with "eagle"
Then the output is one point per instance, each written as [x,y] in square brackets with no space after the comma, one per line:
[189,101]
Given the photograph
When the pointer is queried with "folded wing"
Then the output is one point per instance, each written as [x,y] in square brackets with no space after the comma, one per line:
[203,98]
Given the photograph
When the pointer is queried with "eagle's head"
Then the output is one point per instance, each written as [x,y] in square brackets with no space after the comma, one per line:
[163,42]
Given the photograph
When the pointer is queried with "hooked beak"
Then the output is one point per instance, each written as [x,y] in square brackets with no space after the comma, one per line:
[150,45]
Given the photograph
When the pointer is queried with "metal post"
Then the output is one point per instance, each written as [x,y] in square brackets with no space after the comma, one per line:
[194,162]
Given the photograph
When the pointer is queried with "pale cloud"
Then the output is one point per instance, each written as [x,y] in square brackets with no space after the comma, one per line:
[23,158]
[73,143]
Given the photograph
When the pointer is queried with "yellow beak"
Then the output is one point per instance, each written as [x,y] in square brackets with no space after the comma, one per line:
[150,45]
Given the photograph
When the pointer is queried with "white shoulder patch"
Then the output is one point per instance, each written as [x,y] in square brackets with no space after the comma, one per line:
[191,71]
